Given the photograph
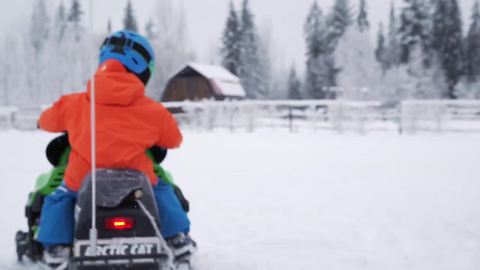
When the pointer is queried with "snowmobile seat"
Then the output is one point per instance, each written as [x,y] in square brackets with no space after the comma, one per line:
[116,191]
[114,186]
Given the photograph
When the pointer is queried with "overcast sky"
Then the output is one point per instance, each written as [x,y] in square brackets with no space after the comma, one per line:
[206,19]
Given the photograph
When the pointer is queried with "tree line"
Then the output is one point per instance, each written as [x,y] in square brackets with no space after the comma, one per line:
[53,53]
[421,54]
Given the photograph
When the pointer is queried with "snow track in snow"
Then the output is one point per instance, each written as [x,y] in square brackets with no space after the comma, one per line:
[302,201]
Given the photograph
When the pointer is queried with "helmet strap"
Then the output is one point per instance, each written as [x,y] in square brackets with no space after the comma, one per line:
[119,44]
[144,76]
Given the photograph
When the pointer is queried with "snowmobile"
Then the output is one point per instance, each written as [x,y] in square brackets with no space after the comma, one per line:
[127,217]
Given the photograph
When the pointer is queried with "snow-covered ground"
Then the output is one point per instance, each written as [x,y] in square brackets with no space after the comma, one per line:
[280,201]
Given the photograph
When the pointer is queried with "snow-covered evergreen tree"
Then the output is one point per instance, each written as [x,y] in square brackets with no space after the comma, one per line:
[251,70]
[150,29]
[356,59]
[423,64]
[231,41]
[415,29]
[427,82]
[275,62]
[381,50]
[412,80]
[315,32]
[321,77]
[294,85]
[36,71]
[447,41]
[468,89]
[396,85]
[129,21]
[60,24]
[320,65]
[169,39]
[77,51]
[40,25]
[75,18]
[39,35]
[359,72]
[472,45]
[324,34]
[3,78]
[338,21]
[18,66]
[265,60]
[76,12]
[393,43]
[362,18]
[109,26]
[62,37]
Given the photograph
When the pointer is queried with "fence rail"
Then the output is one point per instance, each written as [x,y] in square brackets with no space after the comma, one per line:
[336,115]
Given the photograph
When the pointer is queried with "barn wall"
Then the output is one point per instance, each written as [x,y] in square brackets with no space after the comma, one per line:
[188,88]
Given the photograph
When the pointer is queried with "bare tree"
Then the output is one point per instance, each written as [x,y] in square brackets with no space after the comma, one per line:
[168,37]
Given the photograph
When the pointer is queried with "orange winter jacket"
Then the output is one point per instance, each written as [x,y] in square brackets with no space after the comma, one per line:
[127,123]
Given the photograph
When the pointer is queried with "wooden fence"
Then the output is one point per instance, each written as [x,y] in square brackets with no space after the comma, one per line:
[304,115]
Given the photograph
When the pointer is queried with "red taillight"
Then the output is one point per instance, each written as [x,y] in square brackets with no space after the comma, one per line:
[119,223]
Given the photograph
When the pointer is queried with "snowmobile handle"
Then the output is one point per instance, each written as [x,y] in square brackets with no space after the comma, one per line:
[58,146]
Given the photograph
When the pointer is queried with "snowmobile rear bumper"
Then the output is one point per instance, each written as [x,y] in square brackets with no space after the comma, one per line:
[130,262]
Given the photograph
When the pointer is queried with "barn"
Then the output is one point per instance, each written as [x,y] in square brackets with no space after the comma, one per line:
[199,82]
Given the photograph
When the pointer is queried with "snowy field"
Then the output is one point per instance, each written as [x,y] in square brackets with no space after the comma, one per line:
[282,201]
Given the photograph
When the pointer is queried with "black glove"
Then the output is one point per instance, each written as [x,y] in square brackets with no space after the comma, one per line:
[159,154]
[185,203]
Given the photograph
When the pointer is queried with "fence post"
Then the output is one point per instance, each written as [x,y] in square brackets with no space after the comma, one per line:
[361,118]
[231,112]
[313,113]
[290,118]
[336,111]
[398,118]
[439,116]
[251,119]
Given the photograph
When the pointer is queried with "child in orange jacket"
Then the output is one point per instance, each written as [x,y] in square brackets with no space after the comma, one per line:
[127,123]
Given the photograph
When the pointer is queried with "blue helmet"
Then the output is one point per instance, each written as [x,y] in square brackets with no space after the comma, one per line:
[132,50]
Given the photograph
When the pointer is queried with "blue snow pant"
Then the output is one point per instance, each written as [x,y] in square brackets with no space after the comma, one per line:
[57,218]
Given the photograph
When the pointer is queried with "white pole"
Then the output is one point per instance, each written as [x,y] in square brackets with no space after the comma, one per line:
[93,230]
